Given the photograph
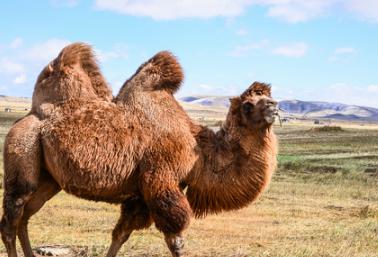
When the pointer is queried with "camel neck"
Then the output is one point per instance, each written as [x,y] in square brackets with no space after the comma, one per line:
[235,165]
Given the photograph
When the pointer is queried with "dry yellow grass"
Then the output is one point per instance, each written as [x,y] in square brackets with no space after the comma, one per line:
[293,218]
[303,213]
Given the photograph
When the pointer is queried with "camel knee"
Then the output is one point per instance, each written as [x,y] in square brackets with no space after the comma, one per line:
[8,233]
[171,212]
[13,208]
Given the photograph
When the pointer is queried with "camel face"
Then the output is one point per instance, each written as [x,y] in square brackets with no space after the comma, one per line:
[258,109]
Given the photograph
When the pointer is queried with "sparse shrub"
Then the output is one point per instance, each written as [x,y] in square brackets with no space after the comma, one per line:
[327,129]
[371,170]
[322,169]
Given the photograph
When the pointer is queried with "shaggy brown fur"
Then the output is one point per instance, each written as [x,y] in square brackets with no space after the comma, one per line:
[236,163]
[74,74]
[136,151]
[161,72]
[131,154]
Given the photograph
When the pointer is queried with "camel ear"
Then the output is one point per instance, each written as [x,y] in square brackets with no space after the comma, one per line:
[235,104]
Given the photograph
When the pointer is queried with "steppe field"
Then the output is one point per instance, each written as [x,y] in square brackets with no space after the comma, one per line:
[323,201]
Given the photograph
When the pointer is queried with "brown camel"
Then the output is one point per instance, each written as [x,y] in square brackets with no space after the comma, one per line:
[140,151]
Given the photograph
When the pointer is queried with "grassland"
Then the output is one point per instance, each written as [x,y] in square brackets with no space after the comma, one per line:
[321,202]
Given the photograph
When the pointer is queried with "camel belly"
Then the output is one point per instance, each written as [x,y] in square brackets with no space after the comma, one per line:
[93,155]
[102,183]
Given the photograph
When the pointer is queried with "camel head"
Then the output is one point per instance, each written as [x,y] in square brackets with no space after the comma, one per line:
[255,108]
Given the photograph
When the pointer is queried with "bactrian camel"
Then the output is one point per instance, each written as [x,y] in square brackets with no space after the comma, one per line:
[139,150]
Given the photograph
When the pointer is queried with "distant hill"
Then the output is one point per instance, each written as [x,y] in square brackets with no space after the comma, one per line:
[216,106]
[14,103]
[300,109]
[325,110]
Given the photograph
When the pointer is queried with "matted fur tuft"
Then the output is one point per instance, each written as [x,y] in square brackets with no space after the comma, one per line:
[161,72]
[82,55]
[74,74]
[169,69]
[264,88]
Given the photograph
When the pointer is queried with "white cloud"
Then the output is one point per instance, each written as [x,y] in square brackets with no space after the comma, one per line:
[10,67]
[242,32]
[20,62]
[297,10]
[291,50]
[291,11]
[357,95]
[372,89]
[48,50]
[173,9]
[342,54]
[104,56]
[345,93]
[16,43]
[345,50]
[242,50]
[366,9]
[119,51]
[20,79]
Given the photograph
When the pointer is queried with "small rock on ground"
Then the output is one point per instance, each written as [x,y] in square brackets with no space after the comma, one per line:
[56,250]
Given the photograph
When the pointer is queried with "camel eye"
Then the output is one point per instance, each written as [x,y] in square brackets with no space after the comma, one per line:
[247,108]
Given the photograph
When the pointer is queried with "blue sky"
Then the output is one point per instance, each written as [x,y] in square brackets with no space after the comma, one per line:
[309,50]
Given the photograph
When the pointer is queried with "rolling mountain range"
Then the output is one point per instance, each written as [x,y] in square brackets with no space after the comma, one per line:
[300,109]
[216,106]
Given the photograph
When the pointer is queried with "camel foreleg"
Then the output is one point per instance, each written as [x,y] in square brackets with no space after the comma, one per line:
[169,209]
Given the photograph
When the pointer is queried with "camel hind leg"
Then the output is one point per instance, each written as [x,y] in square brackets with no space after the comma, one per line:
[134,216]
[47,188]
[22,153]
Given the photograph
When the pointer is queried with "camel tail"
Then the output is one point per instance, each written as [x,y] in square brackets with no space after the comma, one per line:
[161,72]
